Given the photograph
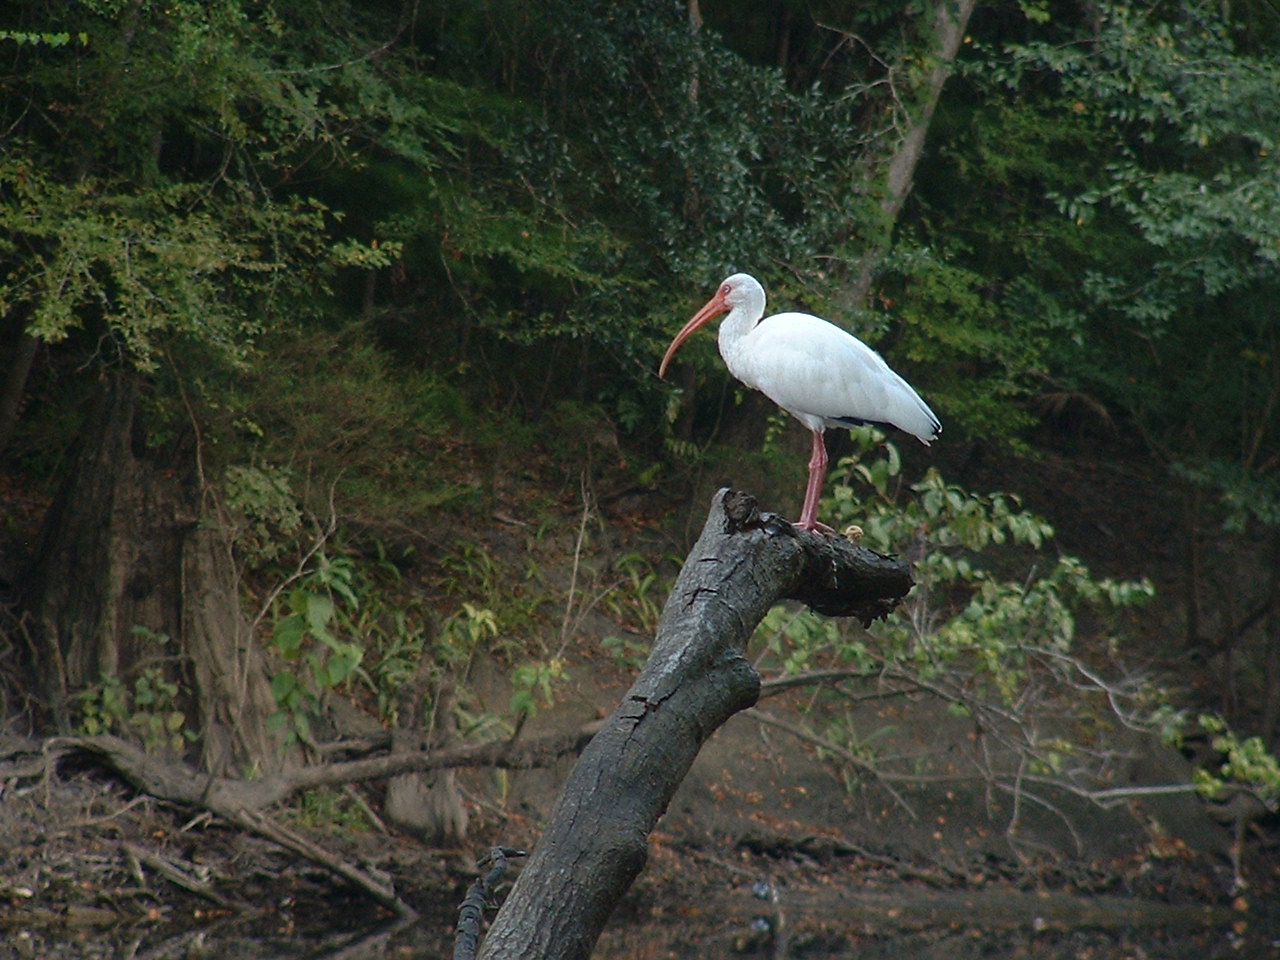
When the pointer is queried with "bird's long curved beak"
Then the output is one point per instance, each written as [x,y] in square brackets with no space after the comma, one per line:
[714,307]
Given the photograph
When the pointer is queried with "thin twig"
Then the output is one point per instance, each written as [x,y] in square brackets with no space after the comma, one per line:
[847,756]
[301,570]
[565,630]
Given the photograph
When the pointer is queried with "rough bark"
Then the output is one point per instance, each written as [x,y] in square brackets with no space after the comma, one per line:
[228,670]
[96,569]
[697,676]
[130,574]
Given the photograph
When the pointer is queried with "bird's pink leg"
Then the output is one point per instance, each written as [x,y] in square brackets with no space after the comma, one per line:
[817,475]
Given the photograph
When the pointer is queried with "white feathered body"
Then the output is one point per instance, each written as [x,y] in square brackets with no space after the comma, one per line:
[817,372]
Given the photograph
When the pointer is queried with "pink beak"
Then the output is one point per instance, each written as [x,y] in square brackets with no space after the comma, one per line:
[714,307]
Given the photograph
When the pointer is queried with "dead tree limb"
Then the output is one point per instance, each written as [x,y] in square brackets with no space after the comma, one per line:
[179,782]
[382,891]
[243,802]
[697,676]
[471,913]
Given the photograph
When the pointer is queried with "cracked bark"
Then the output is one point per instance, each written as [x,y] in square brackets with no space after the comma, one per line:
[697,676]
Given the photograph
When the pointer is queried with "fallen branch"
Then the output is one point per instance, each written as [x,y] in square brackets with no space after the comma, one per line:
[380,891]
[179,782]
[244,802]
[140,857]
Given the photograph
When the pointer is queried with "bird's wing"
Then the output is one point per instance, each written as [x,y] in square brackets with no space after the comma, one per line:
[823,375]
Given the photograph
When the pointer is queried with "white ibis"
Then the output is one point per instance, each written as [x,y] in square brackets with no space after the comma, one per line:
[812,369]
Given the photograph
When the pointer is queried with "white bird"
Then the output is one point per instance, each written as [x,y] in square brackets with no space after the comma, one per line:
[818,373]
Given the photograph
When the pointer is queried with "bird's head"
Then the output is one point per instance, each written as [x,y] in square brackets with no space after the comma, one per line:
[741,289]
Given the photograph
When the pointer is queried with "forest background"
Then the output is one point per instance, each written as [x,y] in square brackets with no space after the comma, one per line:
[329,330]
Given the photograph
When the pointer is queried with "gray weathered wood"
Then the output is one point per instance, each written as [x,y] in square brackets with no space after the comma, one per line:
[697,676]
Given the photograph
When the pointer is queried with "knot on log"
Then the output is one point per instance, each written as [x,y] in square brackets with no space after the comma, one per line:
[741,512]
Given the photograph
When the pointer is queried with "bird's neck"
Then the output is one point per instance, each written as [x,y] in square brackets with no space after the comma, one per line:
[739,322]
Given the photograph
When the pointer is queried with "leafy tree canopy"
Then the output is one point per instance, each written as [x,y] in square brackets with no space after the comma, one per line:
[1115,183]
[513,191]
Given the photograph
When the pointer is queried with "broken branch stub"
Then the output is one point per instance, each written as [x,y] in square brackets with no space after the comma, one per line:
[696,677]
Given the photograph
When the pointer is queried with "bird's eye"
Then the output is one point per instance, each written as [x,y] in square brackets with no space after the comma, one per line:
[725,289]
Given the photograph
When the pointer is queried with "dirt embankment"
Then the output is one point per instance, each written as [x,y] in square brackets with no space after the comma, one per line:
[764,851]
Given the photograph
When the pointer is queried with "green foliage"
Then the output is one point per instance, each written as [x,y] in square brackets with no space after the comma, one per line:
[801,641]
[144,268]
[389,625]
[151,202]
[987,624]
[156,715]
[371,256]
[465,632]
[393,640]
[306,635]
[657,160]
[1132,162]
[520,181]
[357,629]
[978,359]
[327,808]
[1245,496]
[150,710]
[104,708]
[374,433]
[1246,763]
[23,37]
[267,508]
[635,600]
[534,685]
[972,636]
[391,632]
[503,608]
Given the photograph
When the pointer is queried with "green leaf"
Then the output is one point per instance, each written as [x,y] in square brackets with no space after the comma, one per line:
[283,685]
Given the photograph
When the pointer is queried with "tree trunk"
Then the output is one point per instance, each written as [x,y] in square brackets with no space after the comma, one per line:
[129,576]
[951,19]
[15,385]
[697,676]
[229,672]
[1271,637]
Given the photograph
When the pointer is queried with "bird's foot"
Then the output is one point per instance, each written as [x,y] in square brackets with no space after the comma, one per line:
[813,526]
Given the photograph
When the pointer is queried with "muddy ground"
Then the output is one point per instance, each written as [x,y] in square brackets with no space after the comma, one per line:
[91,871]
[762,853]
